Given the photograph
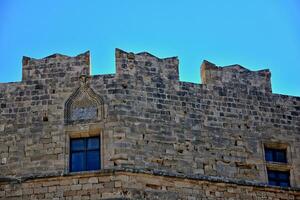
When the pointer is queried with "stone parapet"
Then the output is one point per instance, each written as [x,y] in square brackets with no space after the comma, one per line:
[136,185]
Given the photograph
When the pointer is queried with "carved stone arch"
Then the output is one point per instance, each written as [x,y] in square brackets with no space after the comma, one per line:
[84,105]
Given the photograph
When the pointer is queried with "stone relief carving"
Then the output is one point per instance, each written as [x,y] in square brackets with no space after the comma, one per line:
[84,104]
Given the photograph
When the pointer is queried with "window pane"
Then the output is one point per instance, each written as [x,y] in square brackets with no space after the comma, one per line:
[77,162]
[93,143]
[77,145]
[93,160]
[275,155]
[283,176]
[271,175]
[85,154]
[272,183]
[279,178]
[284,184]
[269,155]
[281,156]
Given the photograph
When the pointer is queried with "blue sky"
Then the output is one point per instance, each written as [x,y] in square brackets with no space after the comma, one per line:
[256,34]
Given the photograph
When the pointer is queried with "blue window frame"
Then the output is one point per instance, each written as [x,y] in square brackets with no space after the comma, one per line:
[275,155]
[85,154]
[279,178]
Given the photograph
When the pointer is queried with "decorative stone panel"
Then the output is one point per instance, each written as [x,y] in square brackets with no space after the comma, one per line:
[84,105]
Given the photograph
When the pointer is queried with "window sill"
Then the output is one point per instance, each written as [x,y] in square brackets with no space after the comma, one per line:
[85,172]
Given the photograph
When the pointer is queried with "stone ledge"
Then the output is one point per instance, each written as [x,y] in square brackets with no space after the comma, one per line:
[117,171]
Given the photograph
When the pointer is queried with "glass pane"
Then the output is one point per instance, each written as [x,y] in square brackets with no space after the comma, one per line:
[77,145]
[283,176]
[284,184]
[93,143]
[280,156]
[269,155]
[77,162]
[271,175]
[93,160]
[272,183]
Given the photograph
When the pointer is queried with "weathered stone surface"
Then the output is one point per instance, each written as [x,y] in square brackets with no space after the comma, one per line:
[134,185]
[147,120]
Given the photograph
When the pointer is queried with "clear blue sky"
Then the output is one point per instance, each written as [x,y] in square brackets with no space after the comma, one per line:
[256,34]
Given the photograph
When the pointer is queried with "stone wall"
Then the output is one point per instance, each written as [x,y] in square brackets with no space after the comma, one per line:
[129,185]
[151,120]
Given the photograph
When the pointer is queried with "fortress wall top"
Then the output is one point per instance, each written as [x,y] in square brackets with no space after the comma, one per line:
[143,68]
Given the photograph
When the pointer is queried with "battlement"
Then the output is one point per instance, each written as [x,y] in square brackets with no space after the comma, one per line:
[144,68]
[235,74]
[55,65]
[145,65]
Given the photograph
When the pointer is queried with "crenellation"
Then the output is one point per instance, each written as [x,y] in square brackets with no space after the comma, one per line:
[55,65]
[236,75]
[147,69]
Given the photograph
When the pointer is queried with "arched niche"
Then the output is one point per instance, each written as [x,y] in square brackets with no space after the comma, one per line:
[84,105]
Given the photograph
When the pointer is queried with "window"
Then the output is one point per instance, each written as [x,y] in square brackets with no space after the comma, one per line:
[277,165]
[279,178]
[275,155]
[85,154]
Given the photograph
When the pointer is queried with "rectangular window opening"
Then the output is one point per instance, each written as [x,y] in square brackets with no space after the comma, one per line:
[277,165]
[275,155]
[279,178]
[85,154]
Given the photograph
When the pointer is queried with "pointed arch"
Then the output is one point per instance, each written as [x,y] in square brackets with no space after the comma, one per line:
[84,105]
